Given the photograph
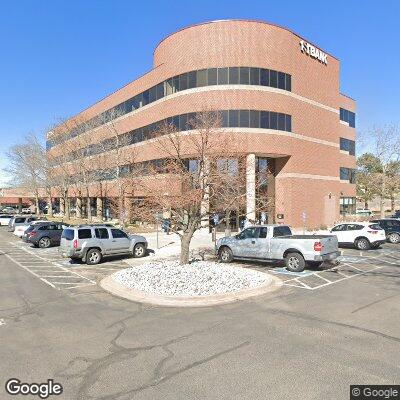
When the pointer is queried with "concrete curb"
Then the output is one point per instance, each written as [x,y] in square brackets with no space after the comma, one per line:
[109,285]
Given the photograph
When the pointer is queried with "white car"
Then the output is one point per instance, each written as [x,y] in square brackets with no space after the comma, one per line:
[5,219]
[361,235]
[20,229]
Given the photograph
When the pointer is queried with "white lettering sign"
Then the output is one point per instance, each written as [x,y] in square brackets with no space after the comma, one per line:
[313,52]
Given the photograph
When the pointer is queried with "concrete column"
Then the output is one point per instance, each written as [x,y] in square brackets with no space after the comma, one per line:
[62,206]
[78,207]
[99,207]
[251,187]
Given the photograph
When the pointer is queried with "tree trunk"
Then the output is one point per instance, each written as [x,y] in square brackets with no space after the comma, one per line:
[67,207]
[365,204]
[50,208]
[185,248]
[383,192]
[392,204]
[37,204]
[228,230]
[89,209]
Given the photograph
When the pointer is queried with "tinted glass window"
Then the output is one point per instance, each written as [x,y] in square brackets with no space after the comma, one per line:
[288,85]
[118,234]
[248,233]
[244,75]
[212,76]
[202,78]
[183,82]
[339,228]
[254,119]
[19,220]
[160,90]
[264,119]
[224,116]
[376,227]
[152,94]
[263,233]
[68,234]
[281,121]
[244,116]
[101,233]
[192,80]
[254,76]
[354,227]
[84,233]
[273,78]
[233,118]
[264,77]
[273,120]
[282,231]
[281,80]
[289,123]
[233,75]
[222,76]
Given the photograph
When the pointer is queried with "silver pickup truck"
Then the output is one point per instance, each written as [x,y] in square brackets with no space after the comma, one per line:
[276,242]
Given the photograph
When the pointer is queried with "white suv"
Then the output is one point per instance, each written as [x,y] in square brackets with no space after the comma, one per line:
[361,235]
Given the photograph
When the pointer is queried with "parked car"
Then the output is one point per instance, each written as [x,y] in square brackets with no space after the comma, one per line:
[27,210]
[5,219]
[93,242]
[361,235]
[9,210]
[391,227]
[276,242]
[44,234]
[19,220]
[20,229]
[364,213]
[396,215]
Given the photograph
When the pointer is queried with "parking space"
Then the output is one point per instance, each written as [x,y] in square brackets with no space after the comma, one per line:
[352,263]
[51,268]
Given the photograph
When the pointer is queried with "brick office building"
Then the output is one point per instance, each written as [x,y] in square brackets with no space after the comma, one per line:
[279,93]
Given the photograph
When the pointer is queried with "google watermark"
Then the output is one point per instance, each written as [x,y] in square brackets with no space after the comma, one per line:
[43,390]
[374,392]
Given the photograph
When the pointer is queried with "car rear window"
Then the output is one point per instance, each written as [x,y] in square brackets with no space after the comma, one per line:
[282,231]
[84,233]
[68,234]
[19,220]
[30,228]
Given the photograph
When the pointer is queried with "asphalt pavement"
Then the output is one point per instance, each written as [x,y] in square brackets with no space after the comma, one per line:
[321,332]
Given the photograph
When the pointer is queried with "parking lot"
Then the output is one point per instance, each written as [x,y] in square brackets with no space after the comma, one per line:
[64,274]
[324,329]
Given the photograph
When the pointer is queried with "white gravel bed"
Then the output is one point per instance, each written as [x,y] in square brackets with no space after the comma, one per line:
[200,278]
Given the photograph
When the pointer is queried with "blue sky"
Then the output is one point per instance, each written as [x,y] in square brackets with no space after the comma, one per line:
[59,57]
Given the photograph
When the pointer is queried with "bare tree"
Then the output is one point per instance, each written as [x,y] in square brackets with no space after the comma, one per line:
[26,166]
[194,170]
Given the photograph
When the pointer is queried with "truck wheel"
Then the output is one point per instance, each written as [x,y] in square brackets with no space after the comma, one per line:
[225,254]
[362,244]
[294,262]
[93,257]
[394,238]
[44,242]
[139,250]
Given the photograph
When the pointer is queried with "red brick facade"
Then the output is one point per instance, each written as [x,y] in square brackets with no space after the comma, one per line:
[307,178]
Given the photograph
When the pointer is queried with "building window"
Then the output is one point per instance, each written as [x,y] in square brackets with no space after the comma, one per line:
[348,174]
[347,205]
[348,145]
[348,116]
[189,80]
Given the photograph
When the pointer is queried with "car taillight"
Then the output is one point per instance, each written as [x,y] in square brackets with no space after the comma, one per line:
[317,246]
[75,243]
[373,232]
[30,234]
